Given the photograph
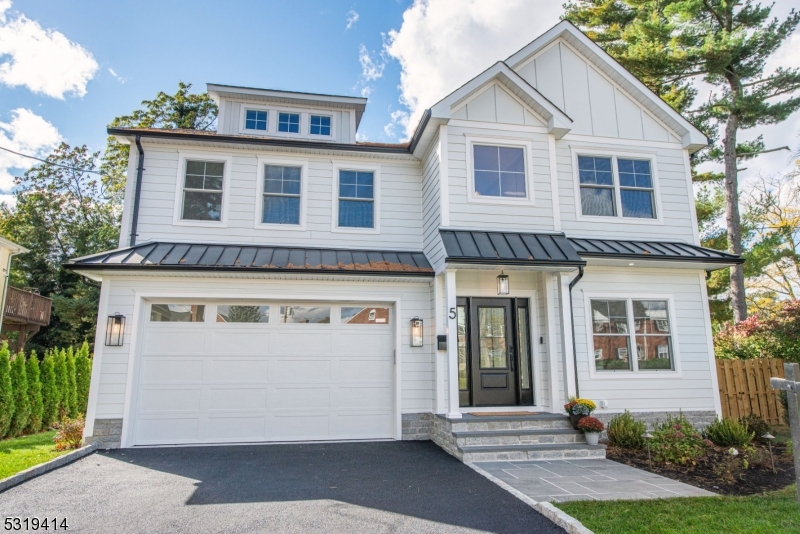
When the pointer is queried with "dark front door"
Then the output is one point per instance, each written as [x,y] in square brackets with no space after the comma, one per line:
[494,365]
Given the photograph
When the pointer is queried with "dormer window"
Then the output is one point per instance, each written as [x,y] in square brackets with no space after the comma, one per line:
[289,122]
[320,125]
[255,120]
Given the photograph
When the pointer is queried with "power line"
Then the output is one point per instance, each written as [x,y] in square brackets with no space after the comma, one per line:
[50,162]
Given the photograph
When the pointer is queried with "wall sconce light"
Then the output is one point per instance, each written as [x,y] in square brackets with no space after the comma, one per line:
[115,328]
[416,332]
[502,284]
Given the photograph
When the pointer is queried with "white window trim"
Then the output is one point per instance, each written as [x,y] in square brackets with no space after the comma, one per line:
[376,198]
[614,154]
[243,116]
[527,148]
[321,136]
[179,183]
[302,126]
[635,374]
[269,160]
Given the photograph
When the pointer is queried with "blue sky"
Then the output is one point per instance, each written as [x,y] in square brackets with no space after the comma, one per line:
[68,68]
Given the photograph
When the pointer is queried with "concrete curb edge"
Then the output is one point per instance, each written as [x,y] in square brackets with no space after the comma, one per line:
[55,463]
[559,517]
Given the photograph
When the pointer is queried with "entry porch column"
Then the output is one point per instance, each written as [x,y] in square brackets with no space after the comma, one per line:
[452,343]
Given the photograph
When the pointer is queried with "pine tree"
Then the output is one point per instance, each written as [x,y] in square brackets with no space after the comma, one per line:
[669,44]
[49,391]
[62,383]
[83,376]
[6,391]
[34,394]
[22,404]
[72,387]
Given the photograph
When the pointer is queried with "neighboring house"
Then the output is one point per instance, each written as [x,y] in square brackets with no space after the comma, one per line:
[278,280]
[23,311]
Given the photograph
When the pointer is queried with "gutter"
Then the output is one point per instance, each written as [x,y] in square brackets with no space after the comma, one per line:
[572,319]
[226,268]
[138,193]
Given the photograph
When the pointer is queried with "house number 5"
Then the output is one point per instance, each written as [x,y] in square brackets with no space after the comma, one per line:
[452,313]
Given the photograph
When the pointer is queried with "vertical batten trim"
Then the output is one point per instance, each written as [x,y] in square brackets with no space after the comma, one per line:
[552,353]
[687,165]
[567,348]
[712,362]
[452,345]
[555,197]
[441,329]
[444,185]
[97,357]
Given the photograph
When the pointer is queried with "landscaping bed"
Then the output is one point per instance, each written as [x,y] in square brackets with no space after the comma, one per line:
[718,471]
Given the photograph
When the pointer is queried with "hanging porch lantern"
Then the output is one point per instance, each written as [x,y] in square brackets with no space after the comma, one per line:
[502,283]
[416,332]
[115,330]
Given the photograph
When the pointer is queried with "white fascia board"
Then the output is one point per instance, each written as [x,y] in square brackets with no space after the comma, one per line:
[13,247]
[691,138]
[558,123]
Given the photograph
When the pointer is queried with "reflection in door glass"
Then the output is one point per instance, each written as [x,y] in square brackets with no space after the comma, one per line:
[524,352]
[462,347]
[492,337]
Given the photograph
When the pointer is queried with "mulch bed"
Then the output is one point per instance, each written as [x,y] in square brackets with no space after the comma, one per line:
[718,471]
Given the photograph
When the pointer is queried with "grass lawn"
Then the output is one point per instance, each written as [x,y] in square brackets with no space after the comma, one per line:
[18,454]
[772,513]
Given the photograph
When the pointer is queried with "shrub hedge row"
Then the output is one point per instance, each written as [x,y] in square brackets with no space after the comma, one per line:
[35,394]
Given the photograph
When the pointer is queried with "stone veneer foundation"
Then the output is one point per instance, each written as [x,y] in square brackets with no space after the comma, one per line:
[107,433]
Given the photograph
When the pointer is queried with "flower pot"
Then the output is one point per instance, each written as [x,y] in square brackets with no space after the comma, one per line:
[592,437]
[574,418]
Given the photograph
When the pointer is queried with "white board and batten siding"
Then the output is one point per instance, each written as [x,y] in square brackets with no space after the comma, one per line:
[691,387]
[125,378]
[398,206]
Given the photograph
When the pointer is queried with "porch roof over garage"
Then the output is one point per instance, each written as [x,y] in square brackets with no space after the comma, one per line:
[256,258]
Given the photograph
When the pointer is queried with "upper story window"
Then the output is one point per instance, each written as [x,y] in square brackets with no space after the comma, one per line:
[356,199]
[289,122]
[320,125]
[630,193]
[614,334]
[202,190]
[281,204]
[255,120]
[499,171]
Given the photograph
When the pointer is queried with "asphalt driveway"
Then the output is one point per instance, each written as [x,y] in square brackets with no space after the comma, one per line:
[393,487]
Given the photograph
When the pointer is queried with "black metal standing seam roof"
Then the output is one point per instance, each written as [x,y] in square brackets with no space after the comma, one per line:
[650,250]
[508,248]
[187,256]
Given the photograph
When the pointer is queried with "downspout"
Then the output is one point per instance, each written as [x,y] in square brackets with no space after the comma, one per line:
[138,192]
[572,319]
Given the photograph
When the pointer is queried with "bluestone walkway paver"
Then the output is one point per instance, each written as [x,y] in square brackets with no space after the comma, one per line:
[589,479]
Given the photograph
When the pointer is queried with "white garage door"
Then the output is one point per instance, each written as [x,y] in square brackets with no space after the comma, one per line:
[248,372]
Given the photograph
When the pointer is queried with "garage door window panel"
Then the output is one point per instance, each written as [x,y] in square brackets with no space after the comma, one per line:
[238,313]
[369,315]
[177,313]
[305,314]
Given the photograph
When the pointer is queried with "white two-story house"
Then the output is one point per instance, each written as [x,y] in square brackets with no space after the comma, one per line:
[277,280]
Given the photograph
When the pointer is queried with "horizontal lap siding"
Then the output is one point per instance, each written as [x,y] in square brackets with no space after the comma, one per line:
[417,363]
[432,206]
[675,204]
[400,203]
[507,217]
[694,389]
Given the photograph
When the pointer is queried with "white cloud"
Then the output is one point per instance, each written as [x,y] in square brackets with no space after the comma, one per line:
[371,69]
[443,44]
[400,119]
[26,133]
[44,61]
[119,78]
[8,199]
[352,18]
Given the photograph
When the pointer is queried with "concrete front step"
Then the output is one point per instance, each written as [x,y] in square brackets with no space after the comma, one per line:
[485,453]
[519,436]
[471,423]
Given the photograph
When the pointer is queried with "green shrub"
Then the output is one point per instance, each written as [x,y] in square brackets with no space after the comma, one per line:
[756,425]
[34,394]
[70,434]
[62,384]
[83,376]
[626,432]
[49,391]
[676,441]
[6,391]
[22,405]
[728,433]
[72,387]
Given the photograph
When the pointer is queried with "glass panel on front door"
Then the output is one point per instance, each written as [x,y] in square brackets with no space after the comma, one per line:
[492,338]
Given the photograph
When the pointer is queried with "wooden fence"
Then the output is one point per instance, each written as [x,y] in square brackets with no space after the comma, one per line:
[744,389]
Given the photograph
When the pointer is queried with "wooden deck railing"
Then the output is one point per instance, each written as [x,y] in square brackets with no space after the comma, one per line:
[744,389]
[26,307]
